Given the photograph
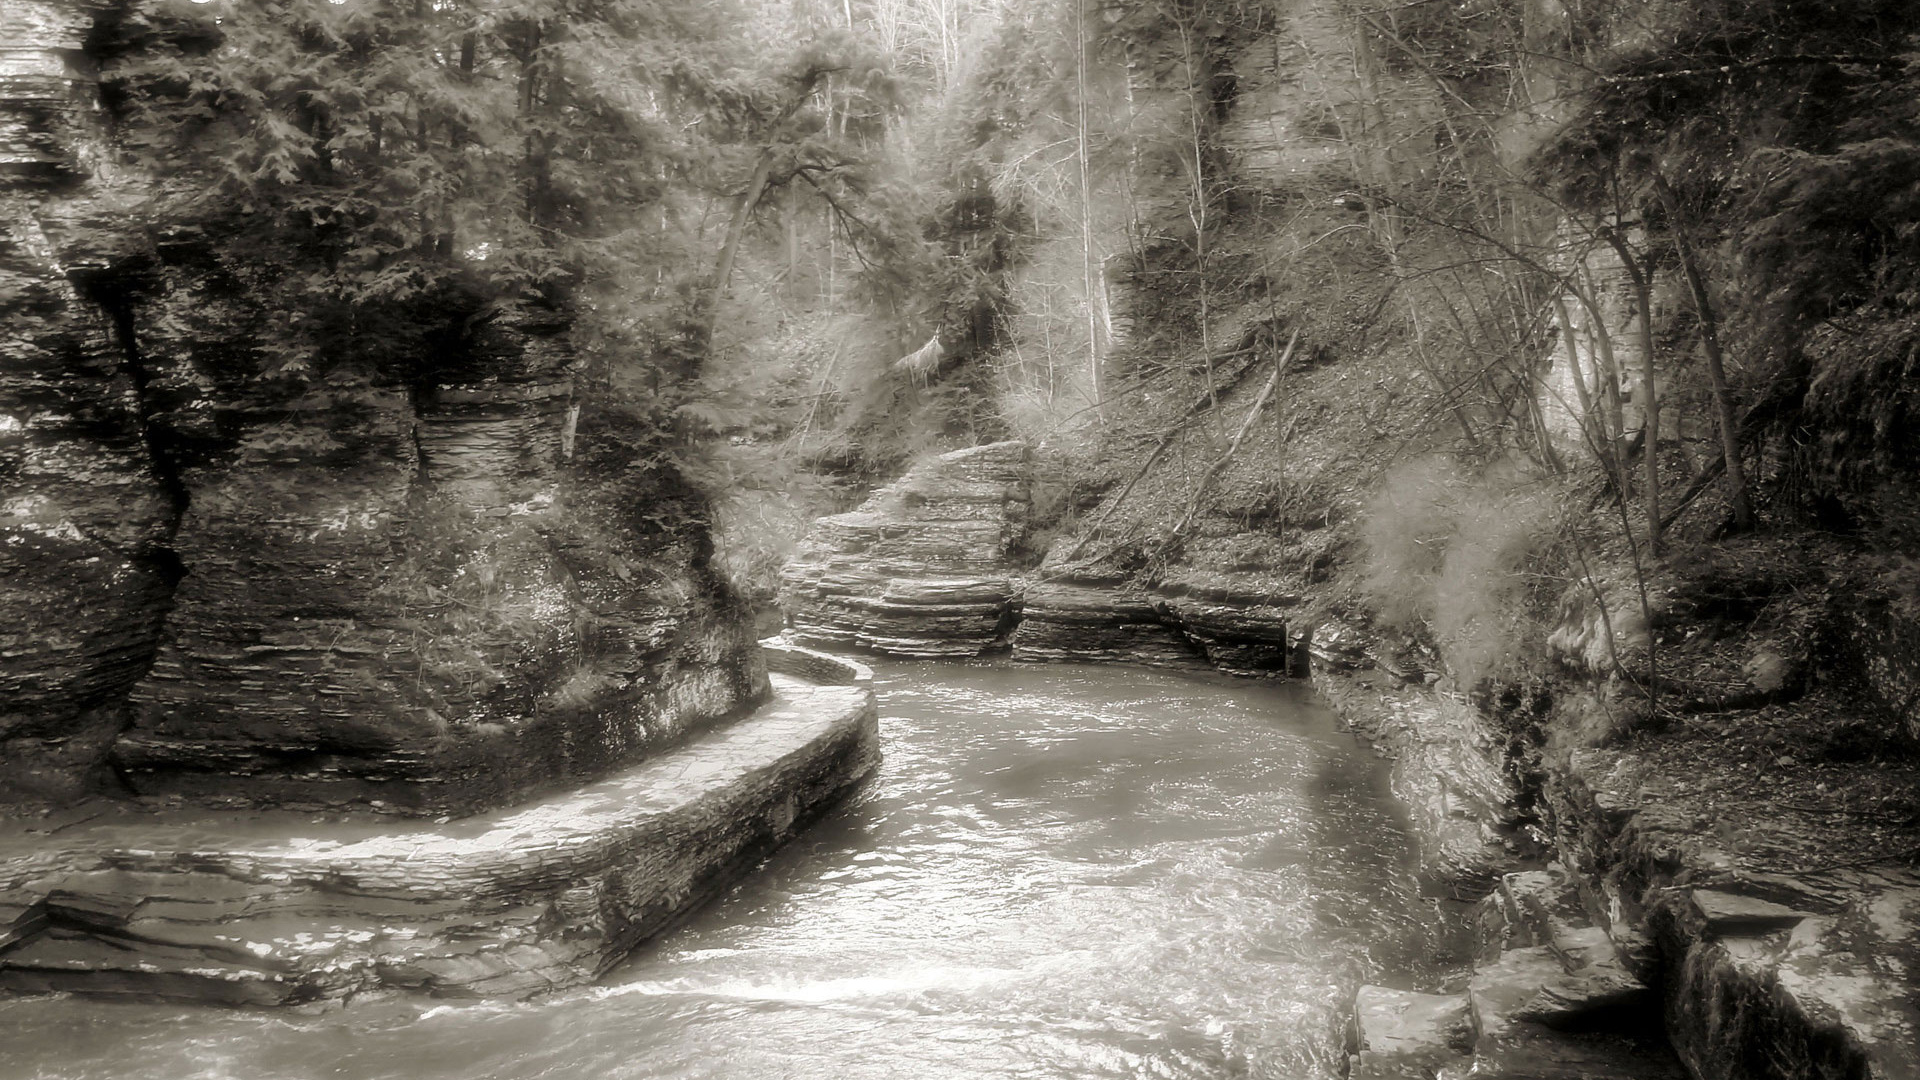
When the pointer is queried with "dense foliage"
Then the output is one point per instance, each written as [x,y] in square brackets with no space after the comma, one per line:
[811,241]
[389,174]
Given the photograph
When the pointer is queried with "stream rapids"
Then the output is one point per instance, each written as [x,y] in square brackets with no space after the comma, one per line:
[1057,872]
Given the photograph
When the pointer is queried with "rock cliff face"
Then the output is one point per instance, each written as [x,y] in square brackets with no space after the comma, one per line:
[85,514]
[236,586]
[923,567]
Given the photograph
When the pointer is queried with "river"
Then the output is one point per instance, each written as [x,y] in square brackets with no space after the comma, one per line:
[1057,872]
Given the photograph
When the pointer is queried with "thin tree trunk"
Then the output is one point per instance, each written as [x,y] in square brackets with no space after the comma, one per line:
[1086,206]
[1716,366]
[1197,206]
[791,213]
[1610,386]
[1650,406]
[736,228]
[1590,420]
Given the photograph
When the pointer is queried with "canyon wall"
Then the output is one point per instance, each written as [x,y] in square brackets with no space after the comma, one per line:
[234,583]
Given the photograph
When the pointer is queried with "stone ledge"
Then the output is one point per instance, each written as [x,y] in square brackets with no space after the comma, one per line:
[274,908]
[826,669]
[1775,944]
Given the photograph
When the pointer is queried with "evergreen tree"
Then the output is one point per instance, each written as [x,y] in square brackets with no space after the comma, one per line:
[391,173]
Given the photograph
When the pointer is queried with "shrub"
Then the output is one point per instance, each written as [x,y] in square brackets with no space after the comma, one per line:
[1461,561]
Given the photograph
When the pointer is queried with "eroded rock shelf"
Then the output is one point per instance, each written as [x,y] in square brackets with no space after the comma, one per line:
[275,908]
[929,567]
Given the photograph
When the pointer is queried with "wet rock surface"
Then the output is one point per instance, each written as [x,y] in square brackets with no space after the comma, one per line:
[1447,770]
[1548,999]
[1404,1035]
[272,908]
[1551,995]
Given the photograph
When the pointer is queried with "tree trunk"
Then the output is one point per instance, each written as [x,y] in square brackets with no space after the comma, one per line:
[736,228]
[1650,405]
[1716,367]
[1610,384]
[1088,269]
[1592,424]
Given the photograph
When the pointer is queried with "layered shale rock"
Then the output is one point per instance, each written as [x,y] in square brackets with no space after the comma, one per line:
[431,584]
[923,567]
[415,597]
[278,909]
[1779,954]
[1447,769]
[1098,620]
[1192,619]
[84,511]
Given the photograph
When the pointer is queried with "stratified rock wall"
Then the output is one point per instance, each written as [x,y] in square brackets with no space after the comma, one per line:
[922,568]
[239,579]
[1190,619]
[84,515]
[1096,621]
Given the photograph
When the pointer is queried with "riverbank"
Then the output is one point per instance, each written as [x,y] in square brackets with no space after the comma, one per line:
[1745,870]
[1068,872]
[271,908]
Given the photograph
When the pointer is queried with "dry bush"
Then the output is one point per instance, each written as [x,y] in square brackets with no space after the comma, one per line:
[1462,561]
[1405,530]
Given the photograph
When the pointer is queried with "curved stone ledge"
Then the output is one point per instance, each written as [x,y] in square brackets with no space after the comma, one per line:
[278,909]
[813,665]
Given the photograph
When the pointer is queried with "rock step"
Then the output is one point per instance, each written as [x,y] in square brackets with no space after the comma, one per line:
[922,567]
[1403,1035]
[1542,907]
[279,908]
[1532,1019]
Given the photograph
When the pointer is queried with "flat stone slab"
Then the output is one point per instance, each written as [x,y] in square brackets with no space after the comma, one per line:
[1403,1035]
[278,908]
[1510,997]
[1724,914]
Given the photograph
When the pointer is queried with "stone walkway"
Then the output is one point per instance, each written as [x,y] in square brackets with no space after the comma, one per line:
[278,908]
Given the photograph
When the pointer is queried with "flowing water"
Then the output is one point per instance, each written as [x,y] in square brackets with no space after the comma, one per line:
[1072,872]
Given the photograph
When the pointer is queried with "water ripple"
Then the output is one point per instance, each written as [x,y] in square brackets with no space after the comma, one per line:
[1058,873]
